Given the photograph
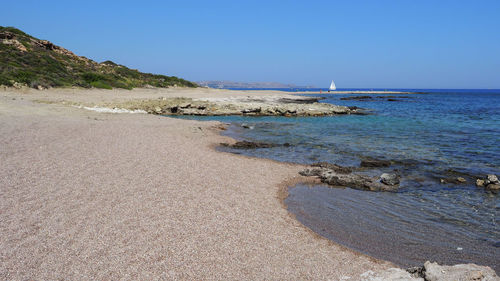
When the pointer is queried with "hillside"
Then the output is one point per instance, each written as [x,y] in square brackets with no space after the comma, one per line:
[37,63]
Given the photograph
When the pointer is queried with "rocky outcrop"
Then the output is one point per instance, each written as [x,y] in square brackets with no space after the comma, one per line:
[268,106]
[337,168]
[434,272]
[339,178]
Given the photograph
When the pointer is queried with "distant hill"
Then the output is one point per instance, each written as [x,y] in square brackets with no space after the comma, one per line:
[37,63]
[243,85]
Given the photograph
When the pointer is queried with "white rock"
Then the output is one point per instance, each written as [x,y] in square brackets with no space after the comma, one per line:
[459,272]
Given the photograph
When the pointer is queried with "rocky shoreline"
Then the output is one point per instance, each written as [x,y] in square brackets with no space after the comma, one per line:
[289,106]
[432,271]
[340,176]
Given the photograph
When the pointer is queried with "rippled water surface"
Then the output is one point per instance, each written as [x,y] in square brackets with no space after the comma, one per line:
[440,135]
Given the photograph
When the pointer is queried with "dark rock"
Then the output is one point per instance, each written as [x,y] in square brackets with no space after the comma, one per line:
[458,180]
[251,110]
[357,98]
[354,181]
[416,271]
[392,100]
[311,172]
[393,97]
[374,163]
[304,100]
[249,145]
[337,168]
[389,179]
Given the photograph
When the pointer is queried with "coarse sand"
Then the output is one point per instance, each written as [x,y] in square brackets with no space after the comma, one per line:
[86,195]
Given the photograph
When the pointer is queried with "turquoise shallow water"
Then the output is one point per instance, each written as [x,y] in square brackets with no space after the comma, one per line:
[443,134]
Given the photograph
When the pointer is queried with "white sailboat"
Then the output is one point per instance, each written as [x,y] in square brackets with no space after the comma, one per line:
[332,87]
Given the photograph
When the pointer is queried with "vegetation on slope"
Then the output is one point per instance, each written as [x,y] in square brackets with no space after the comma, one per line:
[40,64]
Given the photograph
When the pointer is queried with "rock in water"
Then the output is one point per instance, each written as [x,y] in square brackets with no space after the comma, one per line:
[249,145]
[373,163]
[493,187]
[311,172]
[337,168]
[389,179]
[493,179]
[479,182]
[459,272]
[355,181]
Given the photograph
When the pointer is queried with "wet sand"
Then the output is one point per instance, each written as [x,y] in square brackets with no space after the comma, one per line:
[86,195]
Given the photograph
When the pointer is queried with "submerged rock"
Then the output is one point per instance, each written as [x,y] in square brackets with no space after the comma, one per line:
[458,180]
[374,163]
[493,187]
[249,145]
[357,98]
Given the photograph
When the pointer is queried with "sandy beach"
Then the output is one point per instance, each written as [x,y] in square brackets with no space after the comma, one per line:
[88,195]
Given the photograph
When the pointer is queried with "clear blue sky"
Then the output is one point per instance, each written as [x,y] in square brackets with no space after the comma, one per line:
[371,44]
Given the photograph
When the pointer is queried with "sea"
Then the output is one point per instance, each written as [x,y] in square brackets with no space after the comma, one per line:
[432,138]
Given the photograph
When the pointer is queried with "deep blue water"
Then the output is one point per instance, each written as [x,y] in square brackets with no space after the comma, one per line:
[441,134]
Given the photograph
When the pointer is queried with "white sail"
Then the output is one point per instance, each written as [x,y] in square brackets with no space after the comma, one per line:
[332,86]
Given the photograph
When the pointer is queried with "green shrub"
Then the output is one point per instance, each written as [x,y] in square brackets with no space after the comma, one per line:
[101,85]
[5,81]
[90,77]
[24,77]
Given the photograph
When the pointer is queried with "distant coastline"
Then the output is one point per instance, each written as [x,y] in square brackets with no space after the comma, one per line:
[249,85]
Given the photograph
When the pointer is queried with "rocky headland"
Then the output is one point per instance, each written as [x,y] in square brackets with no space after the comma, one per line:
[278,105]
